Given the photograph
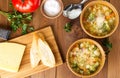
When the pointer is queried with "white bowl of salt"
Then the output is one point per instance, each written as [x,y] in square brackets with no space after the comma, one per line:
[52,8]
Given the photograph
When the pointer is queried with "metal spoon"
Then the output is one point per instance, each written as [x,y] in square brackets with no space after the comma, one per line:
[73,11]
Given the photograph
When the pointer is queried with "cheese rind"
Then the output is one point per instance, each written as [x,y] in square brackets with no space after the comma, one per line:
[10,56]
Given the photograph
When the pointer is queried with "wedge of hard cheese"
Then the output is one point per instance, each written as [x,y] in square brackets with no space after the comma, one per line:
[10,56]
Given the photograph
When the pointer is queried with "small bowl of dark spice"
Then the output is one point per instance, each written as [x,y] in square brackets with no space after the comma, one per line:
[51,8]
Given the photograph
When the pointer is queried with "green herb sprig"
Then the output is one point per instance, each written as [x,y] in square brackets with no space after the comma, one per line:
[68,27]
[18,20]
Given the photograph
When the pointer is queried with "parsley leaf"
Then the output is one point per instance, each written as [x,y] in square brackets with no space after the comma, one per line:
[24,29]
[67,27]
[106,42]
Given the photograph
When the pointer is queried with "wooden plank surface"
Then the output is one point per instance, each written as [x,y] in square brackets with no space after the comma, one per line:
[114,56]
[112,66]
[25,67]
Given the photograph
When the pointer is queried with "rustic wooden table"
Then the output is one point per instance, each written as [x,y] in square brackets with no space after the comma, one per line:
[64,39]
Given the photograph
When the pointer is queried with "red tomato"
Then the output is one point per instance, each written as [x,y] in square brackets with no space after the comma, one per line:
[26,5]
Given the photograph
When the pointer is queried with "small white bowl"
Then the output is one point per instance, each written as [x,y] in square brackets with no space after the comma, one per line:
[51,17]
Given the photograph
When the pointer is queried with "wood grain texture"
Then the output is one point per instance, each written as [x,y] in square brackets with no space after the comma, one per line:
[114,56]
[40,75]
[25,67]
[112,66]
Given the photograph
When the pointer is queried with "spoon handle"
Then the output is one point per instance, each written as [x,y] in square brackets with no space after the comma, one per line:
[83,1]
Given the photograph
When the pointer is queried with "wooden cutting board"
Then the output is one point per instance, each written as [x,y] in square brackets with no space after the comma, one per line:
[25,67]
